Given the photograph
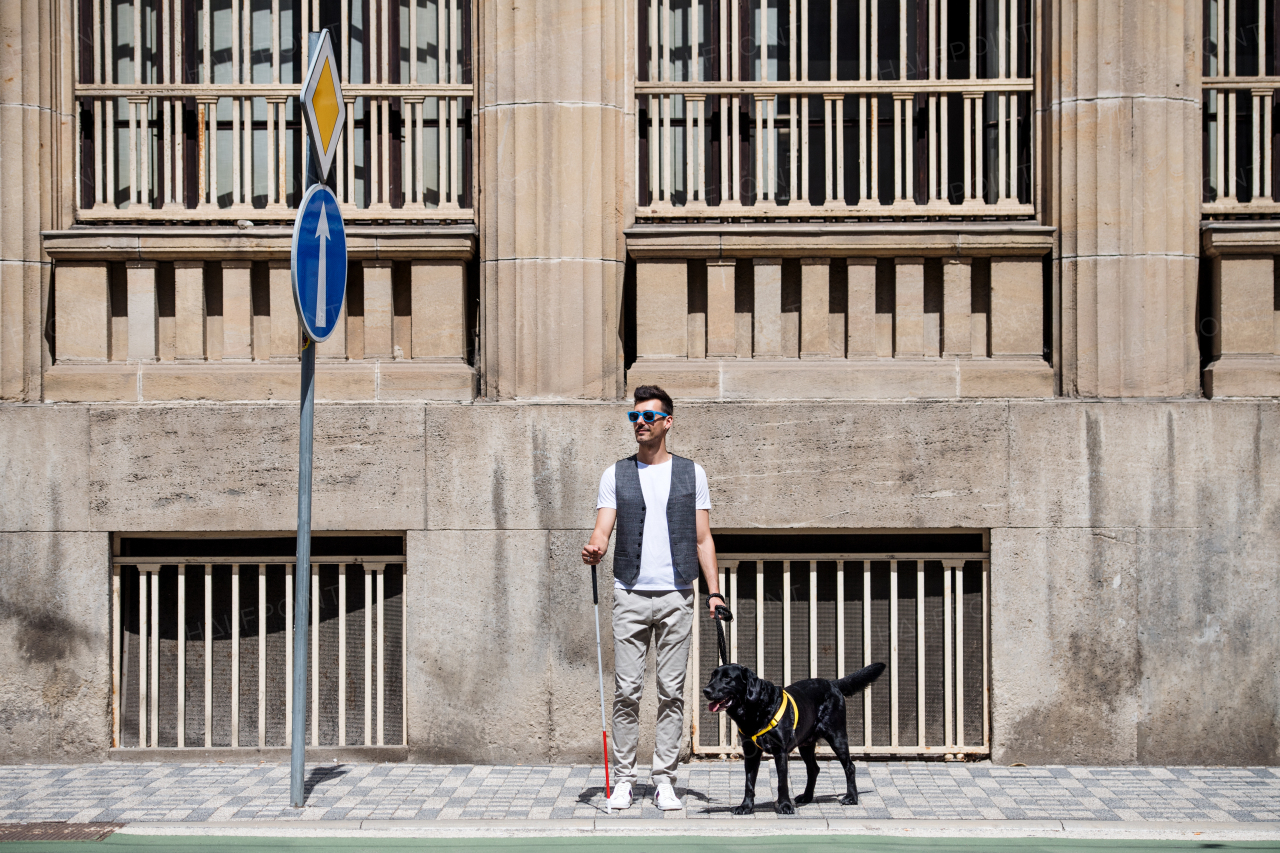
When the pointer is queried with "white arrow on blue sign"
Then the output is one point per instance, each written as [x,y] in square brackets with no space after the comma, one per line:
[319,262]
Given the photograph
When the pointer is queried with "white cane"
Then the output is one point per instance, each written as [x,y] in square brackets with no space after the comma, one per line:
[604,726]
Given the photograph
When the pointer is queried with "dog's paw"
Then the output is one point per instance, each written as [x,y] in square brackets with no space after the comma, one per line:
[745,808]
[804,799]
[785,807]
[849,800]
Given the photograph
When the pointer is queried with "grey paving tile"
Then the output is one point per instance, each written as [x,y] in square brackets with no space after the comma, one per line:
[888,789]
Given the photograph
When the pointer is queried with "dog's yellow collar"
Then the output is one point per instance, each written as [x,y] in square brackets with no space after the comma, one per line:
[777,717]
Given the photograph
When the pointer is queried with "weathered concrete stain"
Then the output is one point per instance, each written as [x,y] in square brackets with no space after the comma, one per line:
[55,667]
[44,636]
[1093,456]
[1078,724]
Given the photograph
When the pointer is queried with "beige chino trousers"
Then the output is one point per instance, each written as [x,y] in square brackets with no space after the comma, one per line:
[667,617]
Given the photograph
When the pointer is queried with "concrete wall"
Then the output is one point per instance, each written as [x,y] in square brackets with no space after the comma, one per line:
[1133,558]
[236,467]
[55,646]
[1142,551]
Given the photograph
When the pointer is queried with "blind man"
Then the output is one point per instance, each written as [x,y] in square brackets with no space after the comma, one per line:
[662,509]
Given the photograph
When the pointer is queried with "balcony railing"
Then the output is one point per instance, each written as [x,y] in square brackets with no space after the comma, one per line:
[207,313]
[187,111]
[914,108]
[890,310]
[1240,78]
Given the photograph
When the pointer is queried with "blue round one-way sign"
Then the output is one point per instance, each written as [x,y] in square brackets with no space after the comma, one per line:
[319,262]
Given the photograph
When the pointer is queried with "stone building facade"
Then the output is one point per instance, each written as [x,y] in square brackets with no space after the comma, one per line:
[969,307]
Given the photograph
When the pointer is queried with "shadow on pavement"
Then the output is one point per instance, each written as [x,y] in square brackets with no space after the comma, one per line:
[639,792]
[319,775]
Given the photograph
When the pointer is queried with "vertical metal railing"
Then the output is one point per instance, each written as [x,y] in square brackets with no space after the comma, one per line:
[1240,80]
[142,614]
[184,108]
[925,616]
[935,117]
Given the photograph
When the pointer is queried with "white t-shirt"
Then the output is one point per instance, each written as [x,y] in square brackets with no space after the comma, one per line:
[657,573]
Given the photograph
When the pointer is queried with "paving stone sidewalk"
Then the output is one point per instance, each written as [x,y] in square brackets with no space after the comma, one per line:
[128,792]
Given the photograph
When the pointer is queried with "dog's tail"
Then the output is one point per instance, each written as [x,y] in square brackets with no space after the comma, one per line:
[856,681]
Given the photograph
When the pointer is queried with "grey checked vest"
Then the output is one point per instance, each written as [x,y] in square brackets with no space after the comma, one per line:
[682,520]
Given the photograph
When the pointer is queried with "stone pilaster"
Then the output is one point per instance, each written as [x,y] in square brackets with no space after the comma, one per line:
[815,308]
[908,320]
[1123,188]
[552,128]
[35,146]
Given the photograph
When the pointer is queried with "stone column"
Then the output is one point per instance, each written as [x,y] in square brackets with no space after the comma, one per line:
[1123,188]
[767,329]
[861,321]
[143,310]
[285,331]
[237,311]
[1242,290]
[39,176]
[553,126]
[83,312]
[334,348]
[1017,308]
[815,308]
[377,309]
[188,310]
[908,321]
[957,298]
[721,302]
[662,306]
[438,290]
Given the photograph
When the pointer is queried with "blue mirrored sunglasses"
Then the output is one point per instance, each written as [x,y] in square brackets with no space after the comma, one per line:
[649,416]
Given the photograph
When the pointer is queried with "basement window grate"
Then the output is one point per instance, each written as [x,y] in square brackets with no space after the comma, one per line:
[801,614]
[202,648]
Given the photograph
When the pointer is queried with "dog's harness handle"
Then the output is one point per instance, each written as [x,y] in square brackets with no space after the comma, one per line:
[777,717]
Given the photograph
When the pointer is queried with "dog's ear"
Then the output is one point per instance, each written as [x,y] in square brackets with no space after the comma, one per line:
[755,688]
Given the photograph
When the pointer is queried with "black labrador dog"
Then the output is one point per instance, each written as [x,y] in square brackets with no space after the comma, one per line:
[776,722]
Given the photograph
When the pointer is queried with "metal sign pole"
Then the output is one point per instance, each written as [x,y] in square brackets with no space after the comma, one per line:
[302,574]
[302,570]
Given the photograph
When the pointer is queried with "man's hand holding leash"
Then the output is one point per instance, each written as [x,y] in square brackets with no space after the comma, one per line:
[719,607]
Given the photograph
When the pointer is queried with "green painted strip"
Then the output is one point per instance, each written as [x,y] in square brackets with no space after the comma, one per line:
[654,844]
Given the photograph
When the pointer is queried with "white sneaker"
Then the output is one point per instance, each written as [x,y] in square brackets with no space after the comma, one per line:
[665,798]
[620,798]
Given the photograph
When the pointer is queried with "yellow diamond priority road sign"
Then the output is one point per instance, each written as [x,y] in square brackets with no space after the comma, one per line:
[322,103]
